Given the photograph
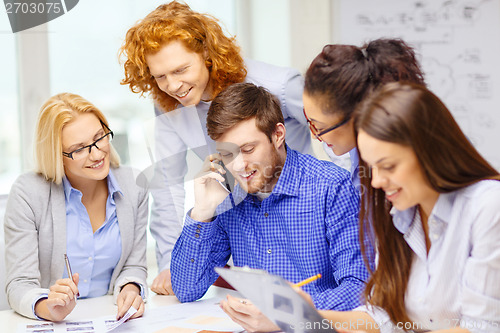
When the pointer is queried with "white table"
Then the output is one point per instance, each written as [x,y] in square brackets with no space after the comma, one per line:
[102,306]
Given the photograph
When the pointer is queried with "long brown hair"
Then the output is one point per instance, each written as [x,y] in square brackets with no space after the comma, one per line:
[342,76]
[410,115]
[198,32]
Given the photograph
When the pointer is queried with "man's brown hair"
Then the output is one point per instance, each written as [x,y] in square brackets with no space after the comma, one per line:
[240,102]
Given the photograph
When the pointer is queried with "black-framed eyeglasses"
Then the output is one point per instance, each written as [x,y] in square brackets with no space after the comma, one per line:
[100,144]
[317,133]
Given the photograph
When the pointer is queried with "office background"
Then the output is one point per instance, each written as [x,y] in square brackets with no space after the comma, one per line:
[77,52]
[457,41]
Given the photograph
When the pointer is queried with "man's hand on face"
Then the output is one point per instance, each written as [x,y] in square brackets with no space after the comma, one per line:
[209,189]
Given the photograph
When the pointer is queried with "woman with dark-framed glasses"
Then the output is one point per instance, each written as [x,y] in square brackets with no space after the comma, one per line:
[78,203]
[340,78]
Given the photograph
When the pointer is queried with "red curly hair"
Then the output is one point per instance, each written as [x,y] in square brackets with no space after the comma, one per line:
[198,33]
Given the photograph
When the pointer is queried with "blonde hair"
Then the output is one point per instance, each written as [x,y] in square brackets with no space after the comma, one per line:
[199,33]
[58,111]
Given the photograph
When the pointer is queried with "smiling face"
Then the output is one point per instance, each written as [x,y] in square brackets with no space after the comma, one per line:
[396,170]
[83,130]
[180,73]
[340,140]
[247,153]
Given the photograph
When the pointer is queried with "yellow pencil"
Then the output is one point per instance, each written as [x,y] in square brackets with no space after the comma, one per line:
[308,280]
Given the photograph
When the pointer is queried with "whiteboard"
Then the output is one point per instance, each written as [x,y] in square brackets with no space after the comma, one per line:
[458,45]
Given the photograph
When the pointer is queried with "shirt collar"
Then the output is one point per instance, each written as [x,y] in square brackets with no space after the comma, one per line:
[444,206]
[68,189]
[289,180]
[402,220]
[113,186]
[442,210]
[353,154]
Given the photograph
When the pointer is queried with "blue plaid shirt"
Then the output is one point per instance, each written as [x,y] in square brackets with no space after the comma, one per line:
[308,225]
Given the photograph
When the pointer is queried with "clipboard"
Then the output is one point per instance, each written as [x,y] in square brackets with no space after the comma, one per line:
[274,296]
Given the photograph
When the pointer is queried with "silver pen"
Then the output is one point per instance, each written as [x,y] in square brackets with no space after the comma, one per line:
[68,268]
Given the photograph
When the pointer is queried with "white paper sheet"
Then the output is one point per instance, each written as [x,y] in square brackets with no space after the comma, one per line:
[192,317]
[97,325]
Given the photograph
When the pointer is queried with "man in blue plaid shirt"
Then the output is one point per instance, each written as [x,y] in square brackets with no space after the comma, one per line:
[290,214]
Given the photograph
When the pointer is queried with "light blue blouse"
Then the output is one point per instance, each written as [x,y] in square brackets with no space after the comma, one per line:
[93,255]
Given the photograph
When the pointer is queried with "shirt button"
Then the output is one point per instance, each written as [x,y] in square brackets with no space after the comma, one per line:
[90,258]
[199,226]
[266,214]
[197,236]
[192,260]
[269,251]
[85,281]
[198,231]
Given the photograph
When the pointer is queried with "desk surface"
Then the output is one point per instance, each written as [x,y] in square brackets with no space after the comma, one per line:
[102,306]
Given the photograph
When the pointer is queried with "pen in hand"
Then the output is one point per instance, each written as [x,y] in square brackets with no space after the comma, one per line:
[70,274]
[308,280]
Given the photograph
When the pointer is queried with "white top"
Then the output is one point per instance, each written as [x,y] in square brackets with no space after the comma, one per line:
[352,164]
[185,129]
[458,282]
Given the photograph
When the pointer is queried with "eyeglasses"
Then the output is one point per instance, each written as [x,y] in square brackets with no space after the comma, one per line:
[100,144]
[317,133]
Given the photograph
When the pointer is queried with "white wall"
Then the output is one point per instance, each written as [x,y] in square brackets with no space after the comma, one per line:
[263,30]
[284,32]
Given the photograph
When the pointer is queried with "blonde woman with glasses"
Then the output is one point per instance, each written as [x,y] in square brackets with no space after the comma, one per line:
[78,203]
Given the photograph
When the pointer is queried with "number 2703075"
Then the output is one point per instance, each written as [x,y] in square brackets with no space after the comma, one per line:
[33,8]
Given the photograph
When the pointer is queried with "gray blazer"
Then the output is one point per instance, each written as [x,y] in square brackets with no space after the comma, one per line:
[35,237]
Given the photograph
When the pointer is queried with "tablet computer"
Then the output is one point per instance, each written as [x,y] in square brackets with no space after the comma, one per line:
[275,297]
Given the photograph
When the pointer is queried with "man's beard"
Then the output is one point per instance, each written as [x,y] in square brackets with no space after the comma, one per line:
[267,176]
